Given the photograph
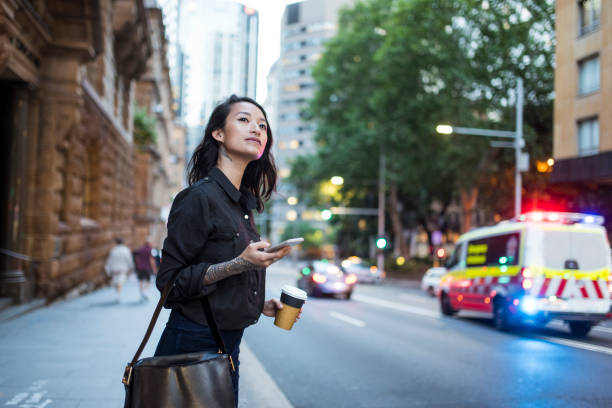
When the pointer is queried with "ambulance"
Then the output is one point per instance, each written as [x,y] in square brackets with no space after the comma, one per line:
[543,266]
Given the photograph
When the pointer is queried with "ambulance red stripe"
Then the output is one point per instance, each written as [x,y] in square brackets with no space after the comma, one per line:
[584,292]
[544,288]
[597,289]
[561,287]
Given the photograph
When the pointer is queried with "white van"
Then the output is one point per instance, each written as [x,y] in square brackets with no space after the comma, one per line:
[546,265]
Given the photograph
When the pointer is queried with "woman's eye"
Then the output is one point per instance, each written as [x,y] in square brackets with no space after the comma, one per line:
[243,119]
[263,127]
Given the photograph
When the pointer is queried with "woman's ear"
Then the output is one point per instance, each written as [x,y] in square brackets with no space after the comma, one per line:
[218,135]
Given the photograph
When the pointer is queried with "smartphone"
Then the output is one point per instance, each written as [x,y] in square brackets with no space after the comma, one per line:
[289,242]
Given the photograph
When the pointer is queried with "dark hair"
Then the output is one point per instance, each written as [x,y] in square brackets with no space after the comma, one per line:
[118,241]
[259,176]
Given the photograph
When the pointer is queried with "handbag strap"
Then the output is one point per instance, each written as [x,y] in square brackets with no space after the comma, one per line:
[212,324]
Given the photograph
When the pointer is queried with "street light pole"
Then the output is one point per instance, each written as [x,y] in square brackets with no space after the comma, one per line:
[380,257]
[518,144]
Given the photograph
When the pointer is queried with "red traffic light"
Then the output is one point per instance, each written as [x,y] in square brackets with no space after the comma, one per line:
[440,253]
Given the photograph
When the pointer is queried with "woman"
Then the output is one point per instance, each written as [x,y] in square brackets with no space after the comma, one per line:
[118,265]
[212,240]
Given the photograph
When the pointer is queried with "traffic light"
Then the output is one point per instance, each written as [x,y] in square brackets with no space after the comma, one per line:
[382,242]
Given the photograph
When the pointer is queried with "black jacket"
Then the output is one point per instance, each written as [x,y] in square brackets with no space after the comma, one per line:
[211,222]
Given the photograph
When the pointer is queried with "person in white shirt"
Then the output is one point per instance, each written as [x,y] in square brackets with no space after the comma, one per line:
[118,265]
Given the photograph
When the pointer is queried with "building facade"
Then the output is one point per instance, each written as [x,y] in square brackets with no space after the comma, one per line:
[159,165]
[583,105]
[67,78]
[305,27]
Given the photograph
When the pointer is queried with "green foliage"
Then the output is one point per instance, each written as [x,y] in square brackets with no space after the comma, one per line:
[145,127]
[313,237]
[397,68]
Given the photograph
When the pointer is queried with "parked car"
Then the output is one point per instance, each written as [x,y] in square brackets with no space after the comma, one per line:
[365,272]
[325,278]
[431,279]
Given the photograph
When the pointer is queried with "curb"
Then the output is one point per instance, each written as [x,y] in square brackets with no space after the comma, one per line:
[257,388]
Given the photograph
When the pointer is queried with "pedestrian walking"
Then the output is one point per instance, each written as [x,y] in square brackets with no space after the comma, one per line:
[212,240]
[145,267]
[118,265]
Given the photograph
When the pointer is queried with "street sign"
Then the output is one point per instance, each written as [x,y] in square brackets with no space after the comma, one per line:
[523,163]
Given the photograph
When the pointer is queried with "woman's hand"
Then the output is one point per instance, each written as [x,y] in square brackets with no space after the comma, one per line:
[274,305]
[254,254]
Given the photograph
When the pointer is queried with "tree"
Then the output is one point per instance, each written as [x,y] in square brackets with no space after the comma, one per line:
[396,69]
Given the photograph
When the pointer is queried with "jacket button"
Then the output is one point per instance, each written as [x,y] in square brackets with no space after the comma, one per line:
[246,217]
[237,234]
[255,292]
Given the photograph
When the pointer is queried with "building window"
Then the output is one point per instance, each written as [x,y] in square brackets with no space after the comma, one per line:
[588,75]
[588,137]
[590,11]
[293,13]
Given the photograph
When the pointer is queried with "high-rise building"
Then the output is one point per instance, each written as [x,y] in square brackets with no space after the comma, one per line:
[176,58]
[220,39]
[305,27]
[583,104]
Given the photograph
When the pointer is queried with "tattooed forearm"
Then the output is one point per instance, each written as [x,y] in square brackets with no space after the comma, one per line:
[223,270]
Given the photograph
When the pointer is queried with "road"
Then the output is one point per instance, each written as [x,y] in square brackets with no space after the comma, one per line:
[390,347]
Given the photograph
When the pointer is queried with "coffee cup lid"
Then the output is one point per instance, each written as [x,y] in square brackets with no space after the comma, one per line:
[295,292]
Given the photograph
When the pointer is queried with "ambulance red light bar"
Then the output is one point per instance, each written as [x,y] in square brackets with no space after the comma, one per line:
[562,218]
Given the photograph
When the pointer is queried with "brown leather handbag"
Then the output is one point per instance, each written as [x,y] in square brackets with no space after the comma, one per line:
[190,380]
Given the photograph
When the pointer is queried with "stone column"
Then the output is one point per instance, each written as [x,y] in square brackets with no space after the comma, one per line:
[60,109]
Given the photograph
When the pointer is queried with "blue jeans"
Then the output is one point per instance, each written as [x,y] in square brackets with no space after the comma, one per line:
[182,335]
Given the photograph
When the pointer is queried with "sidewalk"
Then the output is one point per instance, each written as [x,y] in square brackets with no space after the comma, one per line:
[72,354]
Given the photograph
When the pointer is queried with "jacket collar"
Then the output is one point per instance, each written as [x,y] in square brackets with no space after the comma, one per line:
[243,196]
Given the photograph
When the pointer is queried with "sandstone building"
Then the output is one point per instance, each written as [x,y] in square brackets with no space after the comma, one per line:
[583,105]
[70,169]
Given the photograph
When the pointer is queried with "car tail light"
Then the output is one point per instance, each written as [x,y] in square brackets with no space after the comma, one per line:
[526,272]
[350,279]
[317,277]
[527,284]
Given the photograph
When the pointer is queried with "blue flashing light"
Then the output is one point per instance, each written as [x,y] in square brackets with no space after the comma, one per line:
[528,305]
[306,271]
[503,260]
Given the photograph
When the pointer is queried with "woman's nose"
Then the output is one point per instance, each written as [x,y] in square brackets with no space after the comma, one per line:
[255,128]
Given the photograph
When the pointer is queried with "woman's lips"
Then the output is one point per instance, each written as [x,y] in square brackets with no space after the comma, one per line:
[253,139]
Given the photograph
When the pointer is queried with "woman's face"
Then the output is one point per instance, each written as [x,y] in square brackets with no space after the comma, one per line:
[245,133]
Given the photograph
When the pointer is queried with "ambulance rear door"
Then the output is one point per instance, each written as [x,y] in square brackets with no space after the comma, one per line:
[571,263]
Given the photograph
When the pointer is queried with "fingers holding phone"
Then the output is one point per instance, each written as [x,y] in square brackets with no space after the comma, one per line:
[256,253]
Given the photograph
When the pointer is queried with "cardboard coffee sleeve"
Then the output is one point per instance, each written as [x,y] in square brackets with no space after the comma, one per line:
[292,299]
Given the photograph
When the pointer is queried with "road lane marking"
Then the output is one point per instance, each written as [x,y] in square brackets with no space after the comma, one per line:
[578,344]
[347,319]
[603,329]
[595,328]
[396,306]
